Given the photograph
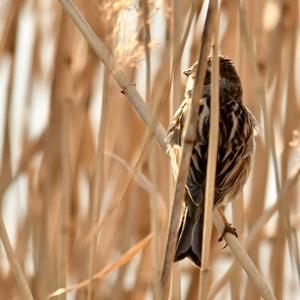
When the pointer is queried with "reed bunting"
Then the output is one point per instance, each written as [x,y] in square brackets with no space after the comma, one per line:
[235,149]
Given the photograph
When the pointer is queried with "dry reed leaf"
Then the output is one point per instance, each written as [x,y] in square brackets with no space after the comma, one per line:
[124,259]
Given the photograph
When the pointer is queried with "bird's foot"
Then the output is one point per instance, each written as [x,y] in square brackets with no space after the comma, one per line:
[227,228]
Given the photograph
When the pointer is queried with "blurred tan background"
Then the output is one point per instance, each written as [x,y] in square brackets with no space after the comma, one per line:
[82,181]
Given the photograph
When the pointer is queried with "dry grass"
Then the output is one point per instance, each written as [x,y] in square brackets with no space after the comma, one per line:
[85,189]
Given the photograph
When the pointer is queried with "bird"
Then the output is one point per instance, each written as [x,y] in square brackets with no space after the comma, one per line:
[234,155]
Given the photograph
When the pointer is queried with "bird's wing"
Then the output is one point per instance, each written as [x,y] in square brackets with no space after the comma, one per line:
[173,137]
[236,146]
[235,149]
[197,165]
[197,171]
[175,129]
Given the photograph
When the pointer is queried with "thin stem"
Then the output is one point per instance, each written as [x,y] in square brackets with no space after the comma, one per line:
[211,167]
[15,266]
[152,159]
[188,142]
[98,184]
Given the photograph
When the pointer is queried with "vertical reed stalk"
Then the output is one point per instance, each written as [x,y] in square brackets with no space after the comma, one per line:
[211,165]
[99,177]
[188,138]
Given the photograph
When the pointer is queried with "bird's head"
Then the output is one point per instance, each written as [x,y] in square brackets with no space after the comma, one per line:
[227,71]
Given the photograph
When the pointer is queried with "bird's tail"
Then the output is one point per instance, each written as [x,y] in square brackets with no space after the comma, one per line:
[189,242]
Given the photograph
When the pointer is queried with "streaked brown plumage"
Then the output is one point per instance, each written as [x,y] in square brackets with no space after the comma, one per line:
[235,148]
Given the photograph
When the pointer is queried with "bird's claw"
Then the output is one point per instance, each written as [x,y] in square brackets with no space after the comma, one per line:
[228,228]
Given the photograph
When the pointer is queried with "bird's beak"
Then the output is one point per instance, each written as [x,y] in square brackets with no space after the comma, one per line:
[187,72]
